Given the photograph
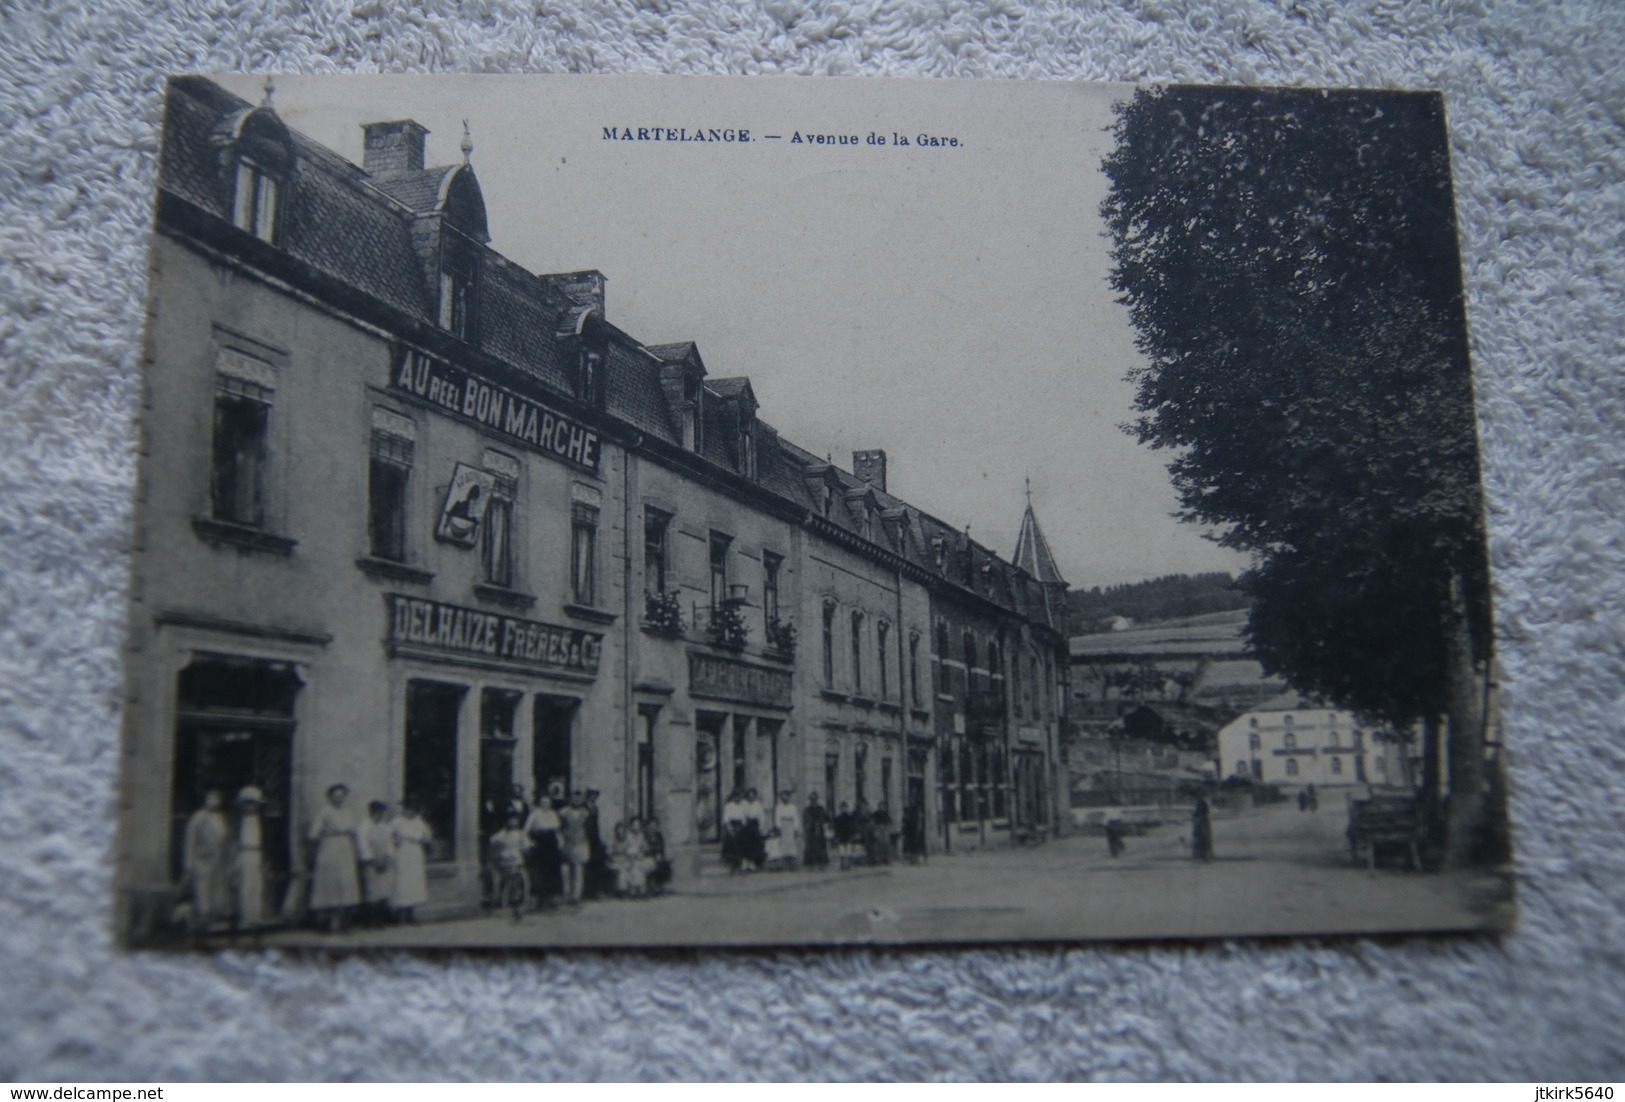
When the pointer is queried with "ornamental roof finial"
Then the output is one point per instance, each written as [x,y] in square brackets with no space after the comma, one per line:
[468,142]
[270,90]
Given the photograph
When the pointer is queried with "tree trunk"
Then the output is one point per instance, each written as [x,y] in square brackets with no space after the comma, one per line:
[1467,804]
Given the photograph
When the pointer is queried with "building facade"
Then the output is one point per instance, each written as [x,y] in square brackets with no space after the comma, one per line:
[1293,742]
[418,521]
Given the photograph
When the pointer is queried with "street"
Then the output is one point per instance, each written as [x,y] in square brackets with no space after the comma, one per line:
[1277,871]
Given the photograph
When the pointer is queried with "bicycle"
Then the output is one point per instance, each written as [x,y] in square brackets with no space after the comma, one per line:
[512,888]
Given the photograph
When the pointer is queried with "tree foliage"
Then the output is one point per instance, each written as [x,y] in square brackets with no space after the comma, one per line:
[1288,259]
[1168,597]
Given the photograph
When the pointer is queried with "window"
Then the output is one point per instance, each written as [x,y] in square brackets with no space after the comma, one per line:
[1292,767]
[242,419]
[1241,768]
[1253,741]
[1382,766]
[1331,739]
[747,446]
[832,775]
[994,684]
[644,784]
[947,684]
[857,651]
[254,203]
[770,587]
[967,780]
[969,642]
[583,553]
[656,532]
[457,294]
[719,568]
[914,667]
[882,629]
[1035,691]
[388,479]
[1015,683]
[829,644]
[1286,720]
[950,799]
[1337,766]
[1252,721]
[860,774]
[1289,741]
[498,546]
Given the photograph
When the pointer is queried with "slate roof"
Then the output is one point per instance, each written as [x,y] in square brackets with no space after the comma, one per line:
[382,236]
[1032,551]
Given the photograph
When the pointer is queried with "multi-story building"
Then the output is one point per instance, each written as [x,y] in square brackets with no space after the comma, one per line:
[1294,742]
[414,519]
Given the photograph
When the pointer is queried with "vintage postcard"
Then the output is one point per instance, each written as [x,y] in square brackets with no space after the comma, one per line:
[635,511]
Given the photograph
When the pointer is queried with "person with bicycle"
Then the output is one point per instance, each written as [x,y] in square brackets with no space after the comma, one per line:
[507,855]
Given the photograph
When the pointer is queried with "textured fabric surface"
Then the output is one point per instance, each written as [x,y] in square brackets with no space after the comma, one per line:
[1536,98]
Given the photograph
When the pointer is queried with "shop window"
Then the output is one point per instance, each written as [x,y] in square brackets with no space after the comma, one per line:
[656,550]
[498,550]
[432,710]
[498,707]
[388,480]
[583,553]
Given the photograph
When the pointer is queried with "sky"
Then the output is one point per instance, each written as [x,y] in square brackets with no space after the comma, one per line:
[946,302]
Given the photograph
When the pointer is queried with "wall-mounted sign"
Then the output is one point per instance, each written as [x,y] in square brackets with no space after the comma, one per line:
[728,679]
[415,623]
[516,417]
[467,498]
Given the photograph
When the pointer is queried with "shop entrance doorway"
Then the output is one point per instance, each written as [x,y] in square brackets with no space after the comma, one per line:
[235,728]
[553,727]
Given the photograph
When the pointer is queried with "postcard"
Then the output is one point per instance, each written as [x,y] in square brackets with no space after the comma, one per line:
[639,511]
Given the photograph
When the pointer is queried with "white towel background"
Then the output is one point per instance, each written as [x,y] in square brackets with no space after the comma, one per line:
[1536,98]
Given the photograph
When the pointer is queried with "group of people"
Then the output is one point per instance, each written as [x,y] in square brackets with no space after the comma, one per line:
[556,840]
[374,868]
[756,837]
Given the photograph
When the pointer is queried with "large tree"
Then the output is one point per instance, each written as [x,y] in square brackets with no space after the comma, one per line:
[1288,259]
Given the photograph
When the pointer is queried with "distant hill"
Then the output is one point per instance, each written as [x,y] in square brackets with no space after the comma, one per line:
[1168,597]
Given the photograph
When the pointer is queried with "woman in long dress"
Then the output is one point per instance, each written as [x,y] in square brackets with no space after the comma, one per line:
[204,860]
[335,889]
[248,862]
[1201,832]
[411,836]
[378,870]
[787,824]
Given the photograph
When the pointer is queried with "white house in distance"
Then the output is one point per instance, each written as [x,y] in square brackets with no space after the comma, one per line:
[1292,741]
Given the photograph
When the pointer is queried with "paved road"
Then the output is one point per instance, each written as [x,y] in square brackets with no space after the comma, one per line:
[1277,871]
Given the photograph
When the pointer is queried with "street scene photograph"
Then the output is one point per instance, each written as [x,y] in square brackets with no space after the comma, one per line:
[637,511]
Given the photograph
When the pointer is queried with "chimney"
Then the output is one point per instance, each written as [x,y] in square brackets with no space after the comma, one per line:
[870,466]
[392,147]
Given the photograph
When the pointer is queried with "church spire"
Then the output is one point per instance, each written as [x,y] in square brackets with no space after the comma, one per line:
[1032,549]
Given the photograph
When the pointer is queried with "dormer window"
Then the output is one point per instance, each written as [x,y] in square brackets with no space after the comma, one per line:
[254,203]
[457,295]
[592,360]
[257,158]
[747,446]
